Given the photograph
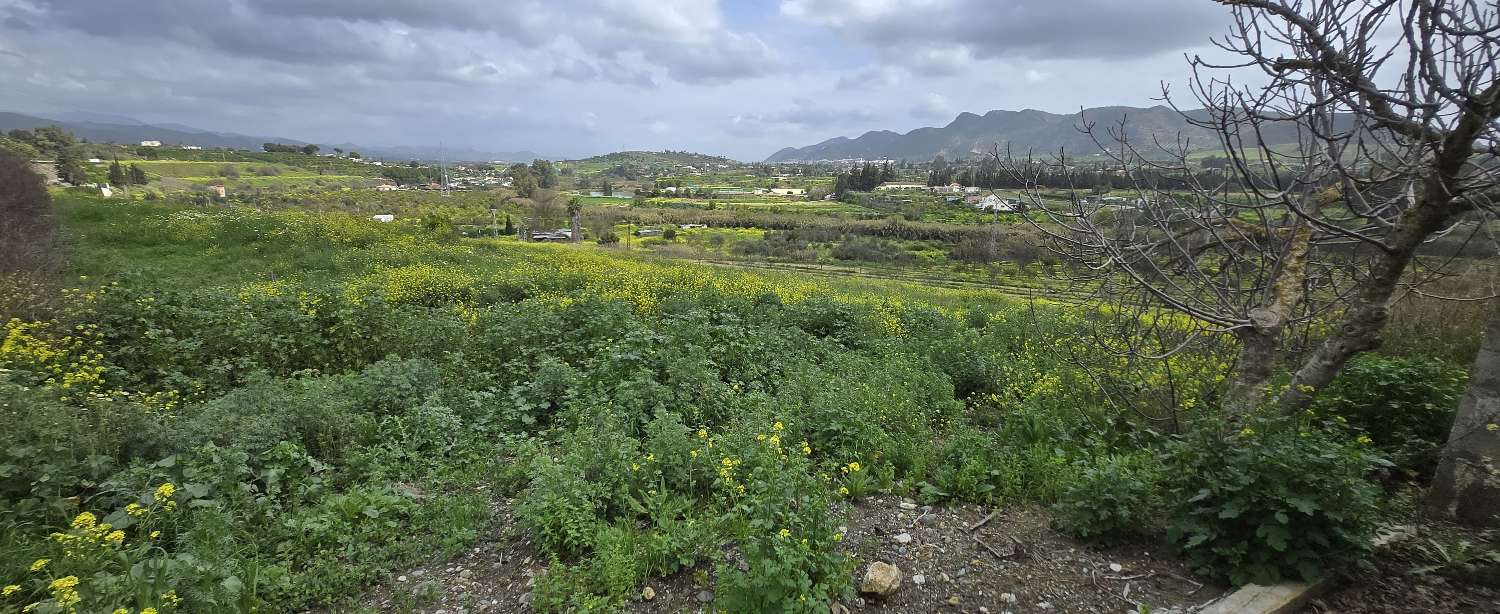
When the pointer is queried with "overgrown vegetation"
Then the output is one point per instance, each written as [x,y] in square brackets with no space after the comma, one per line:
[231,405]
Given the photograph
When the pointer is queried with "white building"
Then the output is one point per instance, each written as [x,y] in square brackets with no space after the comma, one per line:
[900,186]
[997,204]
[383,217]
[150,143]
[789,191]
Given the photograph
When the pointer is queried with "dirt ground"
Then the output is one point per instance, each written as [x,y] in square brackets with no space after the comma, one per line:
[1012,561]
[1393,588]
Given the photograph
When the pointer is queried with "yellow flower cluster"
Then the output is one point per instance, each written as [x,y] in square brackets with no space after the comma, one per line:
[852,467]
[87,536]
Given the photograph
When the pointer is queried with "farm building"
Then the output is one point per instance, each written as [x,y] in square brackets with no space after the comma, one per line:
[900,186]
[789,191]
[150,143]
[383,217]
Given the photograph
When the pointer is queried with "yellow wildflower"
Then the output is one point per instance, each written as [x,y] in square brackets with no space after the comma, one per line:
[1246,432]
[136,510]
[778,426]
[784,533]
[84,521]
[63,582]
[155,534]
[806,448]
[120,611]
[39,564]
[1364,440]
[1492,427]
[115,538]
[10,589]
[171,598]
[148,611]
[165,491]
[702,433]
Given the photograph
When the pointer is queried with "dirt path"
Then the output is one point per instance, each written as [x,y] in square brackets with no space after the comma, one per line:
[1012,562]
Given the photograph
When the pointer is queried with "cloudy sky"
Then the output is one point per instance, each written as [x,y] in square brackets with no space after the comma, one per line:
[741,78]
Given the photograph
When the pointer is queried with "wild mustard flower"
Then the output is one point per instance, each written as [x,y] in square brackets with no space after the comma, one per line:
[1246,432]
[115,538]
[164,492]
[784,533]
[1363,440]
[84,521]
[10,589]
[778,426]
[40,564]
[136,510]
[702,433]
[170,598]
[155,534]
[806,448]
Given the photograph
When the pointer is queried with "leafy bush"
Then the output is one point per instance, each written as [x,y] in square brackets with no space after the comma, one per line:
[1404,406]
[1269,501]
[1113,496]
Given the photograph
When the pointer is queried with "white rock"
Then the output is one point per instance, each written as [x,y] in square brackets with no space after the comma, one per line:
[400,578]
[881,579]
[918,579]
[903,538]
[1116,567]
[1008,597]
[1045,605]
[908,506]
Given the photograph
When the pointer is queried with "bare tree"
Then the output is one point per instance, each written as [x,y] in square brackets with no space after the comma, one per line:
[1374,133]
[575,211]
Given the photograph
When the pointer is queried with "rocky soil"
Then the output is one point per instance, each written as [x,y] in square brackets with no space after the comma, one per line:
[950,559]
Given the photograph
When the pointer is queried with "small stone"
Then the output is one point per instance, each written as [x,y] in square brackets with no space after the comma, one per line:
[881,579]
[903,538]
[648,593]
[984,610]
[944,577]
[954,601]
[908,506]
[962,571]
[918,579]
[705,596]
[1045,605]
[1008,597]
[526,599]
[400,578]
[466,574]
[1116,567]
[838,608]
[419,573]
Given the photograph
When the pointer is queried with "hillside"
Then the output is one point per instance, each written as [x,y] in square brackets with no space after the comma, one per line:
[1021,130]
[110,132]
[104,128]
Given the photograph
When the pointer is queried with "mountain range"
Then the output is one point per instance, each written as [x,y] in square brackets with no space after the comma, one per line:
[1021,131]
[104,128]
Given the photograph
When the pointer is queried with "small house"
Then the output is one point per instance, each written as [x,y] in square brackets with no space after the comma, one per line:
[383,217]
[150,143]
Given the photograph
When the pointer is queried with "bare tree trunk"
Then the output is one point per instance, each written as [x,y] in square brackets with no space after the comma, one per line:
[1369,310]
[1467,486]
[1261,343]
[577,228]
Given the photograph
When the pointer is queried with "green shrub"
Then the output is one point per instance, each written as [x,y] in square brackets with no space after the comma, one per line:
[1113,496]
[1269,501]
[1404,406]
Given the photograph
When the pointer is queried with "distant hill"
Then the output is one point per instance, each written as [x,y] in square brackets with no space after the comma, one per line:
[104,128]
[654,158]
[1033,130]
[130,133]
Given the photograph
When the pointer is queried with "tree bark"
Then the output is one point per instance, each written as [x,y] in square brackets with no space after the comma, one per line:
[1369,309]
[1261,342]
[1466,488]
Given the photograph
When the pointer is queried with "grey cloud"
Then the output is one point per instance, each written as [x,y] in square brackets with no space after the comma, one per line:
[909,31]
[681,39]
[803,114]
